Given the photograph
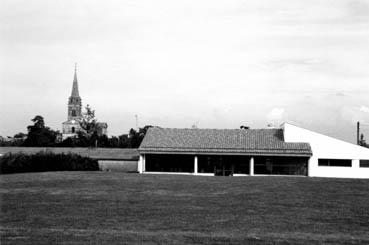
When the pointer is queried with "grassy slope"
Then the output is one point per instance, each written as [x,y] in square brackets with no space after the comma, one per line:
[114,207]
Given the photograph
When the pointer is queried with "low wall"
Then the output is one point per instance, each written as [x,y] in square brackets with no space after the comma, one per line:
[118,166]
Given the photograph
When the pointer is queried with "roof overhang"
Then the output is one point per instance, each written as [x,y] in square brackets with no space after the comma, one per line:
[240,152]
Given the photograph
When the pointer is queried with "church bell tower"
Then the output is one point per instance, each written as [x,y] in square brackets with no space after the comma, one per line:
[72,125]
[74,101]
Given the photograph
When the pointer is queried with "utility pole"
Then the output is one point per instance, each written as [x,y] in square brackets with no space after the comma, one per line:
[136,122]
[358,132]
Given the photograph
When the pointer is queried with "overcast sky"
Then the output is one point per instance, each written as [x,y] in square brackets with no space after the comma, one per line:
[219,64]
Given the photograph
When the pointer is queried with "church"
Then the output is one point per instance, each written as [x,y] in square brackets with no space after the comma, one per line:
[72,125]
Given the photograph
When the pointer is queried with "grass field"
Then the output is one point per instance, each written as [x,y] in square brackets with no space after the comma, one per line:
[108,207]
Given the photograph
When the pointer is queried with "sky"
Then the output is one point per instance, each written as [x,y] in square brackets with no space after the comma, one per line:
[214,64]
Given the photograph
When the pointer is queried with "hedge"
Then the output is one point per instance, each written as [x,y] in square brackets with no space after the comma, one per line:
[45,161]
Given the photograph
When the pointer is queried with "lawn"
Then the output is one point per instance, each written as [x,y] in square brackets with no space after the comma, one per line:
[108,207]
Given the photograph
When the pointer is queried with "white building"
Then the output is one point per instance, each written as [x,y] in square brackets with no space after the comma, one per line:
[288,150]
[331,157]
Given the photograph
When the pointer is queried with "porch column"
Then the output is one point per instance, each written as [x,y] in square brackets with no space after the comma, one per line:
[355,163]
[195,166]
[251,166]
[144,163]
[309,165]
[139,164]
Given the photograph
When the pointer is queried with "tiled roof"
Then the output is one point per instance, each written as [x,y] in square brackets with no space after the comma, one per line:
[242,141]
[96,153]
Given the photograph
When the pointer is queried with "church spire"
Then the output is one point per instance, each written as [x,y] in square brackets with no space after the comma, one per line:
[75,92]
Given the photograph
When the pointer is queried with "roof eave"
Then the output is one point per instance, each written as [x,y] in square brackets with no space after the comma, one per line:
[228,152]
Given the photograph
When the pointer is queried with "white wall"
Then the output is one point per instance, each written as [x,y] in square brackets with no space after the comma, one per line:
[327,147]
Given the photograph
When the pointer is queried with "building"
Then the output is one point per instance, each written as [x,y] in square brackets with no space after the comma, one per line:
[72,125]
[288,150]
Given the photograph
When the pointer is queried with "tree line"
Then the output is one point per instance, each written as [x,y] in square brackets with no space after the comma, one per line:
[39,135]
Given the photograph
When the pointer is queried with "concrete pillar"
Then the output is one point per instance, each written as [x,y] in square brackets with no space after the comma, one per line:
[313,168]
[309,166]
[356,163]
[195,166]
[139,164]
[252,166]
[144,163]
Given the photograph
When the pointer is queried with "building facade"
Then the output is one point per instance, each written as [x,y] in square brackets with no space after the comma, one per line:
[288,150]
[331,157]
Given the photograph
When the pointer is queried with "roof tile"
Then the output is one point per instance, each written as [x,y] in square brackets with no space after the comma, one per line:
[261,141]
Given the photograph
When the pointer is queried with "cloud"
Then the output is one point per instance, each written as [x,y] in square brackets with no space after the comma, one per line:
[364,109]
[275,115]
[180,60]
[355,114]
[358,9]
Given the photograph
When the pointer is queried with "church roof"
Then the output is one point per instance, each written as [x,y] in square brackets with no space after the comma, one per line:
[231,141]
[75,92]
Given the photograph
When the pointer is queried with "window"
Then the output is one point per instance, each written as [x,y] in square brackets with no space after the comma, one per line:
[335,162]
[169,163]
[74,113]
[364,163]
[281,165]
[73,130]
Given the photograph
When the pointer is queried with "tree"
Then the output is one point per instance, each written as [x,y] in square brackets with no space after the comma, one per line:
[124,141]
[38,122]
[92,129]
[362,141]
[69,142]
[18,139]
[20,135]
[39,134]
[136,137]
[89,123]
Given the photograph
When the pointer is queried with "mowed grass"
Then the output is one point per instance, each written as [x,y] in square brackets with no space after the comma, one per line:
[108,207]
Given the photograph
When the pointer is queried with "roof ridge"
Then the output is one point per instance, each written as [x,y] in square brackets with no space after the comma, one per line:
[220,129]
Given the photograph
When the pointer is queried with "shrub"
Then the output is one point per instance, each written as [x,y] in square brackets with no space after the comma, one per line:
[45,161]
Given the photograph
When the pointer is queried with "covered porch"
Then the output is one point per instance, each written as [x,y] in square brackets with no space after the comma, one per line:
[223,165]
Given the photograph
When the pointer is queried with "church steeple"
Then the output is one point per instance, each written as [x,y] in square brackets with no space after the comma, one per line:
[75,102]
[75,92]
[73,125]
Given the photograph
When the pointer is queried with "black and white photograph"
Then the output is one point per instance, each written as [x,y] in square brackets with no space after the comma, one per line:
[184,122]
